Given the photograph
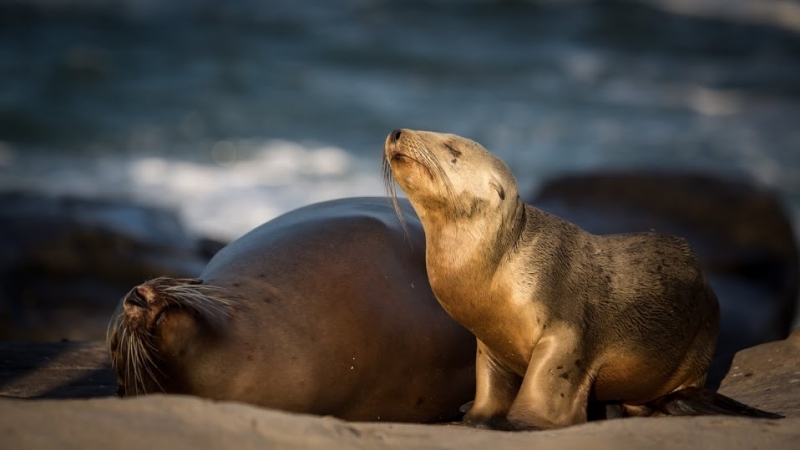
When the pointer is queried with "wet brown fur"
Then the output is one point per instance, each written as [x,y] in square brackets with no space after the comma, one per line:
[562,317]
[324,310]
[135,332]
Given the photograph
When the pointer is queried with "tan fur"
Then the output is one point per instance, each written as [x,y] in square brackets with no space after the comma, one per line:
[561,316]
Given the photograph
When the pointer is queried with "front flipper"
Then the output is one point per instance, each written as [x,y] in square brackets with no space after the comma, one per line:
[555,389]
[495,390]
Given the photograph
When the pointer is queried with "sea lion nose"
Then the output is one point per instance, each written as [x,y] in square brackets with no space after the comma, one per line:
[136,299]
[396,135]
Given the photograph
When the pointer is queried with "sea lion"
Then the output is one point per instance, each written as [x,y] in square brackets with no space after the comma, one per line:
[324,310]
[740,232]
[562,317]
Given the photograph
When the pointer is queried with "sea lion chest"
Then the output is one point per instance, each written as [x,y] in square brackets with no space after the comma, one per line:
[503,315]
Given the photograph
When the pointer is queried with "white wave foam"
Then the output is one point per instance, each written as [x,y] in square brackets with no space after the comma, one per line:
[235,195]
[246,183]
[223,199]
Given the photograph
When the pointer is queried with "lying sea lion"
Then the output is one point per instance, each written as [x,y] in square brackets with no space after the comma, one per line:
[324,310]
[562,317]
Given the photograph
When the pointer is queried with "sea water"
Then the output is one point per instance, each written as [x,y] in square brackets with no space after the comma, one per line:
[235,112]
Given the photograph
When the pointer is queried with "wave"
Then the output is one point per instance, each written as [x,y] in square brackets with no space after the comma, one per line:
[244,185]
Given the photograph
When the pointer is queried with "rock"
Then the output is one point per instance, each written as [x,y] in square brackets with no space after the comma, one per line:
[160,421]
[767,375]
[66,261]
[740,232]
[56,370]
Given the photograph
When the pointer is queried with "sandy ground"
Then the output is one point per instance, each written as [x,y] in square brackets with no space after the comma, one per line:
[183,422]
[766,376]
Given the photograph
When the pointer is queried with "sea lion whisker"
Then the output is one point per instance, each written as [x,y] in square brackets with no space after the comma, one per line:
[440,172]
[448,185]
[422,154]
[130,371]
[188,303]
[391,193]
[137,378]
[206,294]
[200,306]
[191,302]
[133,364]
[137,375]
[217,296]
[192,287]
[112,338]
[437,172]
[150,356]
[114,356]
[433,168]
[188,281]
[140,352]
[113,324]
[148,340]
[148,363]
[137,350]
[126,352]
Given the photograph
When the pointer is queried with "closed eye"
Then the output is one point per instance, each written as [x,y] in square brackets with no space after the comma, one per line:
[453,151]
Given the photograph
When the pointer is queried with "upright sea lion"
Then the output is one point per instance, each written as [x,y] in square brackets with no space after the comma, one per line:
[324,310]
[562,317]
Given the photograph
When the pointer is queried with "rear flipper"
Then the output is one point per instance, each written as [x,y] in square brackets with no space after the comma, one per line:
[695,401]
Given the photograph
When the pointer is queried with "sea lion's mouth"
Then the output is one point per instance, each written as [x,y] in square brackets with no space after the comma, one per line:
[396,155]
[400,159]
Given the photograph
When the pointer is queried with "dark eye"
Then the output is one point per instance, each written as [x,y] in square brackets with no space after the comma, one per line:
[453,152]
[500,191]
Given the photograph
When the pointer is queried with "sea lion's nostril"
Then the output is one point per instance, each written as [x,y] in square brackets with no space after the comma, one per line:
[135,298]
[396,135]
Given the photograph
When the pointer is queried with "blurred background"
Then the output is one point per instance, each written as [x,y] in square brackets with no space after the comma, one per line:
[231,112]
[236,111]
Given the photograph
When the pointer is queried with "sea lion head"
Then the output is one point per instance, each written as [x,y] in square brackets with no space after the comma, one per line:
[448,177]
[157,326]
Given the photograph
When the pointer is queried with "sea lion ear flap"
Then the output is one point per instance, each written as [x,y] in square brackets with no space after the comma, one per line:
[498,187]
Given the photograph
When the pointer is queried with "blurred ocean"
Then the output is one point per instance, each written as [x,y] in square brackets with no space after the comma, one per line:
[236,111]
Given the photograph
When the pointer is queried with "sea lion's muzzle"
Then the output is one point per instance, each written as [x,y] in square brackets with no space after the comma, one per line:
[135,299]
[396,151]
[395,135]
[142,307]
[391,147]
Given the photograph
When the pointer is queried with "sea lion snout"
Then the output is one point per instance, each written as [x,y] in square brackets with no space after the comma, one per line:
[391,147]
[395,135]
[135,299]
[142,306]
[143,300]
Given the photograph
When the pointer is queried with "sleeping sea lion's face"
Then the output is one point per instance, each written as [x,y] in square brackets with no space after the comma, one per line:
[156,328]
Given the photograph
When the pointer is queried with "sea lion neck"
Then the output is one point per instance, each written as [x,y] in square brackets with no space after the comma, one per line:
[457,245]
